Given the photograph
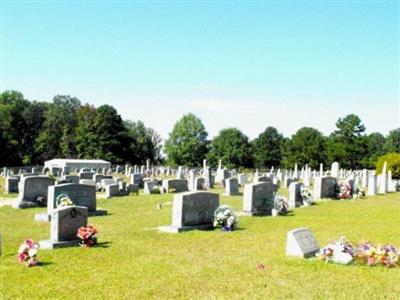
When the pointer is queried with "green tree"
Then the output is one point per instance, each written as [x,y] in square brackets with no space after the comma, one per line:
[393,141]
[347,144]
[187,143]
[393,164]
[375,147]
[85,133]
[111,135]
[267,148]
[306,146]
[233,147]
[141,144]
[57,136]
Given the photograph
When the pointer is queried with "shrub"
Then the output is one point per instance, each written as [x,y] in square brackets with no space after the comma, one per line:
[393,164]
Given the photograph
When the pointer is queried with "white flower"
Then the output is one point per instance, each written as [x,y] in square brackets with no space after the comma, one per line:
[32,252]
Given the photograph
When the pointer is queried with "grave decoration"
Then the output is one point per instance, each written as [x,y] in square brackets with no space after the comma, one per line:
[341,252]
[372,254]
[87,235]
[307,196]
[345,190]
[359,192]
[225,218]
[281,206]
[64,200]
[27,253]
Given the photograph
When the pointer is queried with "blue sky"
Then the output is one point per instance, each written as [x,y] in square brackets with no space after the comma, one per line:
[244,64]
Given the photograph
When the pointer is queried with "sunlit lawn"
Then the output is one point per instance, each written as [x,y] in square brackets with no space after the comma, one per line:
[134,261]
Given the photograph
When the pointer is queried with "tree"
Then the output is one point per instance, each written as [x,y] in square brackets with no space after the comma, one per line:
[266,148]
[393,141]
[111,135]
[57,136]
[233,147]
[86,133]
[375,147]
[307,146]
[393,164]
[347,144]
[141,145]
[187,143]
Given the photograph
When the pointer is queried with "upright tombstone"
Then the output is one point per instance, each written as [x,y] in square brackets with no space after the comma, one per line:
[150,187]
[79,194]
[71,178]
[335,170]
[112,190]
[86,175]
[295,198]
[11,185]
[137,178]
[242,178]
[301,243]
[258,198]
[192,210]
[33,188]
[262,179]
[179,185]
[64,226]
[371,185]
[231,187]
[199,184]
[364,178]
[383,181]
[325,187]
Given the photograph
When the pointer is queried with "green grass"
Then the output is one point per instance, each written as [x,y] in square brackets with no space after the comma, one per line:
[134,261]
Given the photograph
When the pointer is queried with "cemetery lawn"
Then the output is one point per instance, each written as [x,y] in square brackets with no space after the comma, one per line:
[134,261]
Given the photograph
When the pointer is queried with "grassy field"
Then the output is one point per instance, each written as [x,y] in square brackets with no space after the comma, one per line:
[134,261]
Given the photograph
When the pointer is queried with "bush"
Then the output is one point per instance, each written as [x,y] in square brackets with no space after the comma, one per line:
[393,164]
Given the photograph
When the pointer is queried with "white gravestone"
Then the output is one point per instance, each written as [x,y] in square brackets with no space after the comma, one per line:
[301,243]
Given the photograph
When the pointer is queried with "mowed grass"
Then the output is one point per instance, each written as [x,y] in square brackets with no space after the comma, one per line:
[134,261]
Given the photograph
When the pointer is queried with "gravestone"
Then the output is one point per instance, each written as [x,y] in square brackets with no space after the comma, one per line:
[112,190]
[192,210]
[64,226]
[231,187]
[97,178]
[242,178]
[11,185]
[87,182]
[295,198]
[71,178]
[301,243]
[137,178]
[325,187]
[32,188]
[262,179]
[258,198]
[150,187]
[86,175]
[180,185]
[335,170]
[199,184]
[79,194]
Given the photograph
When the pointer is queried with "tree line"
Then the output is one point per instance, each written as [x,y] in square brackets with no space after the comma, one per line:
[32,132]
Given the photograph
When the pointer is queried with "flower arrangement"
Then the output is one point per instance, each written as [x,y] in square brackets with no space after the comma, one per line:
[372,255]
[306,195]
[87,235]
[359,192]
[224,217]
[341,252]
[345,190]
[64,200]
[27,253]
[281,206]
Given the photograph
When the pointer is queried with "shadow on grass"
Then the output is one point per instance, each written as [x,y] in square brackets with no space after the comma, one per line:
[103,245]
[44,263]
